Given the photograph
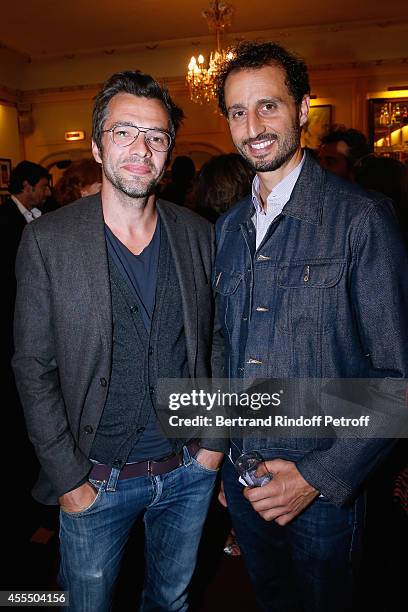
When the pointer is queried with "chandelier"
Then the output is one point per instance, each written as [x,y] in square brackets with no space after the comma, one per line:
[201,75]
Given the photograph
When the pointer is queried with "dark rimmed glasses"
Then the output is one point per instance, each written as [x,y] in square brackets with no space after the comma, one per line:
[125,135]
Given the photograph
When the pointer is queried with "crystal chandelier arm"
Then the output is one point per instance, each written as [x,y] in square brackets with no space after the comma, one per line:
[201,79]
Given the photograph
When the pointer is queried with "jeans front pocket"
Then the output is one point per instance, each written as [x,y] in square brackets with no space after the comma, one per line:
[202,467]
[100,487]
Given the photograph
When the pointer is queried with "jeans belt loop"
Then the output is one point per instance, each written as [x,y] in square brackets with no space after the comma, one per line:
[112,480]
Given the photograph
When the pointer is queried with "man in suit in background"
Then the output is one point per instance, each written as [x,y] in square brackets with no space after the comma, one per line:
[29,187]
[113,294]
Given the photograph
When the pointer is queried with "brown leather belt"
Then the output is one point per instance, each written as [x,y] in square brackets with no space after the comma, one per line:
[101,471]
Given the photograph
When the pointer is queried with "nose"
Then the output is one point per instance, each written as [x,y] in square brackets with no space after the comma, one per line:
[139,146]
[255,124]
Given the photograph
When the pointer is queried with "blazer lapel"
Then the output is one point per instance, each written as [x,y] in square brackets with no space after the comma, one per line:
[91,236]
[179,239]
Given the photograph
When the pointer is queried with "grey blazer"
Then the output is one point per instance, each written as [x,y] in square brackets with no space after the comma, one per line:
[63,328]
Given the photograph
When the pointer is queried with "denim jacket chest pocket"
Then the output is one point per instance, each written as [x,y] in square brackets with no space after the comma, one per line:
[309,295]
[229,299]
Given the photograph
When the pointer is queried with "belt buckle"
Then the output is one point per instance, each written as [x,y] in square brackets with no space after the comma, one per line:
[149,467]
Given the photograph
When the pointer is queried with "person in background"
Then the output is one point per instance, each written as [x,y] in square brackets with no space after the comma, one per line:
[389,177]
[222,181]
[388,490]
[340,149]
[29,187]
[82,178]
[179,189]
[308,270]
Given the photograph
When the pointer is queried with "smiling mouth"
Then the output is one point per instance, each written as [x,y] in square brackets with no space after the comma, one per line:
[258,146]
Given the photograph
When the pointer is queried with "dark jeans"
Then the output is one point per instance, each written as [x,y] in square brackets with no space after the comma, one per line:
[310,564]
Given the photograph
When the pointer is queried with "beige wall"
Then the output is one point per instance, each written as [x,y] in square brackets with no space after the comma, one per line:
[204,132]
[9,136]
[51,120]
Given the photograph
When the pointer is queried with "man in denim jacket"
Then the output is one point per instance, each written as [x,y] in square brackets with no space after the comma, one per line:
[311,277]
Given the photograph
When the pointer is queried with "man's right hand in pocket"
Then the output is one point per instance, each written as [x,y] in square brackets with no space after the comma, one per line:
[78,499]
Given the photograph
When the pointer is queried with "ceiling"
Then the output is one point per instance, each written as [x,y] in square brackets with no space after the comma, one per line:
[46,28]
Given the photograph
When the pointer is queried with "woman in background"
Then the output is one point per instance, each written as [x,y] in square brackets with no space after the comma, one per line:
[223,181]
[81,178]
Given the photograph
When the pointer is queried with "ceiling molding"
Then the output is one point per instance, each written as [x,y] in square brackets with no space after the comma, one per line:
[21,54]
[228,39]
[177,84]
[9,96]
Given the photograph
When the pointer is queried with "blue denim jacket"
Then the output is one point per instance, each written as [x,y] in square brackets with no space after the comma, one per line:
[324,296]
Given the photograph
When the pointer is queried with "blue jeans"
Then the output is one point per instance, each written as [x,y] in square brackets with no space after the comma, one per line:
[92,541]
[307,566]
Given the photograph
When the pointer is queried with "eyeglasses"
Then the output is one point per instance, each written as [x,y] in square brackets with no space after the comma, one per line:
[125,135]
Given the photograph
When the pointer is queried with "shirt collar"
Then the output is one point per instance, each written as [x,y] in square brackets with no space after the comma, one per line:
[281,193]
[29,215]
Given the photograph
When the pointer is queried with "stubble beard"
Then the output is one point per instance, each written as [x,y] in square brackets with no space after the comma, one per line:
[135,188]
[286,148]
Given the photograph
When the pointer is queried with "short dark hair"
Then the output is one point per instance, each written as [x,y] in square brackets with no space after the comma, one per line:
[183,170]
[354,139]
[138,84]
[255,55]
[26,171]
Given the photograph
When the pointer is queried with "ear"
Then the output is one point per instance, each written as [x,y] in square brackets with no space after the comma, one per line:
[27,188]
[95,152]
[304,110]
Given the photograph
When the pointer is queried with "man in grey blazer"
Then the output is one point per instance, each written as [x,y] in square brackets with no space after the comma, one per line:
[114,293]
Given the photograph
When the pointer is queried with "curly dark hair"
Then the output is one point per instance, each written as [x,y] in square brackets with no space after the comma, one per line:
[138,84]
[256,55]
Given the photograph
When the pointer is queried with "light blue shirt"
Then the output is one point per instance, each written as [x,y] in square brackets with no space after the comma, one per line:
[275,202]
